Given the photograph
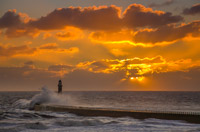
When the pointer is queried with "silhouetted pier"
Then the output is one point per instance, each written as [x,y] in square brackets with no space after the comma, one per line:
[191,117]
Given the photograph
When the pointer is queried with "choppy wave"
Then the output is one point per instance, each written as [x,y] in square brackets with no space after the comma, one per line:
[18,117]
[37,125]
[22,104]
[16,127]
[87,122]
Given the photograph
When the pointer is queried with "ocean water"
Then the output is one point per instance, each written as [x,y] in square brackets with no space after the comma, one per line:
[15,114]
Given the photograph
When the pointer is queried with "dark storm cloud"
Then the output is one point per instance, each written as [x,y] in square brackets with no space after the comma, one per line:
[10,19]
[16,25]
[105,18]
[168,33]
[102,18]
[195,9]
[139,16]
[166,3]
[89,18]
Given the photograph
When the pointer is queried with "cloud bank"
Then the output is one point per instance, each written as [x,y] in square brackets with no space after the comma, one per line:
[103,18]
[195,9]
[157,74]
[137,25]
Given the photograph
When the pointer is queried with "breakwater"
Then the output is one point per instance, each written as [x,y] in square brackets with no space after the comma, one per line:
[191,117]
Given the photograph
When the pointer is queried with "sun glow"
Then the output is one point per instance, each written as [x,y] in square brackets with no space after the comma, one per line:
[137,78]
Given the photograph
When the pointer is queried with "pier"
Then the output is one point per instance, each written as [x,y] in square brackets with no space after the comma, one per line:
[190,117]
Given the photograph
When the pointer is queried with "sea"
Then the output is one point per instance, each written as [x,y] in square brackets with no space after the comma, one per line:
[16,114]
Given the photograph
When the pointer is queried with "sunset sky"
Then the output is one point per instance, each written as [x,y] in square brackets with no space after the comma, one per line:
[100,45]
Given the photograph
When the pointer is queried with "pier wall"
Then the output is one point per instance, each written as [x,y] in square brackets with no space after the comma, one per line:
[86,111]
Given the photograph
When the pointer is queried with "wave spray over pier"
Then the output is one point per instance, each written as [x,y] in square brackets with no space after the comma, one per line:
[99,111]
[192,117]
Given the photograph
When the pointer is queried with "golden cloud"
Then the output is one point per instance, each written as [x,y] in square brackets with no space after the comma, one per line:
[136,68]
[60,69]
[149,37]
[31,77]
[49,46]
[70,33]
[118,52]
[104,24]
[119,37]
[109,37]
[168,33]
[46,35]
[7,51]
[53,47]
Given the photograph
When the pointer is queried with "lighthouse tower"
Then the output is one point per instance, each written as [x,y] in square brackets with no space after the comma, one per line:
[60,86]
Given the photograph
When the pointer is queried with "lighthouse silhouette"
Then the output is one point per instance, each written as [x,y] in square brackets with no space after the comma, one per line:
[60,86]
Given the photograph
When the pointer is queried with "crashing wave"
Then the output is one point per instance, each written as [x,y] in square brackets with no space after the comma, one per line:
[46,96]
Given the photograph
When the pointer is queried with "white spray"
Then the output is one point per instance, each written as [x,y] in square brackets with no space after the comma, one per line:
[46,96]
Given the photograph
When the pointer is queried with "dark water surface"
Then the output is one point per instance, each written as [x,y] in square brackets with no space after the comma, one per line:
[15,114]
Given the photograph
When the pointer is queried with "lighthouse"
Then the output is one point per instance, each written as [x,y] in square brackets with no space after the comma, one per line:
[59,86]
